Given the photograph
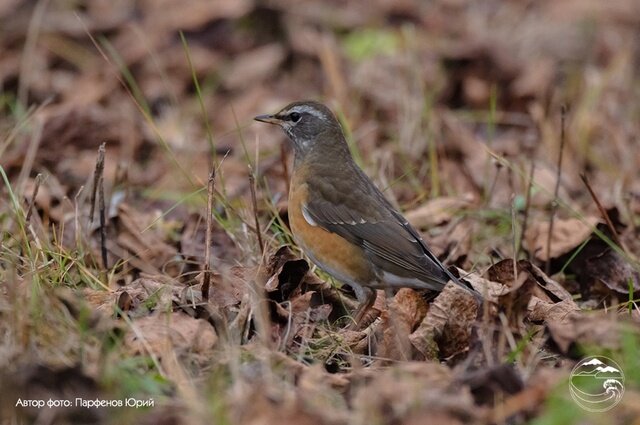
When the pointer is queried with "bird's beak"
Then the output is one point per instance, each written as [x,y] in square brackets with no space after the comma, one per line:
[270,119]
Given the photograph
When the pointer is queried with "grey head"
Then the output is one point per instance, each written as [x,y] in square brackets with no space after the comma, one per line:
[310,125]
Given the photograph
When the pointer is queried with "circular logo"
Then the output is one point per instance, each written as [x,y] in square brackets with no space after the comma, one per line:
[597,384]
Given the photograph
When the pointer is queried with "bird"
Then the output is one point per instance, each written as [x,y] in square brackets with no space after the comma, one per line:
[342,221]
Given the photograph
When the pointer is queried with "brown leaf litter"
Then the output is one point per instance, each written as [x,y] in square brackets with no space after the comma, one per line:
[446,328]
[599,266]
[448,125]
[567,235]
[438,211]
[159,333]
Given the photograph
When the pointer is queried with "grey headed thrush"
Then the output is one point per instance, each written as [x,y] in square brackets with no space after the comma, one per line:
[342,221]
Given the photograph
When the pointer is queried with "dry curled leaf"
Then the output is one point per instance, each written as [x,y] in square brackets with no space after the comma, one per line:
[610,269]
[552,289]
[536,281]
[544,311]
[520,288]
[142,296]
[567,235]
[446,328]
[286,278]
[514,301]
[406,311]
[325,293]
[230,286]
[489,290]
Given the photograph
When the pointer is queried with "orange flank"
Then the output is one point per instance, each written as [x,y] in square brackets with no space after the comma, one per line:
[332,252]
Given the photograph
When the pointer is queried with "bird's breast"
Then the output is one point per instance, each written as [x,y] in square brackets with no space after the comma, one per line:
[337,256]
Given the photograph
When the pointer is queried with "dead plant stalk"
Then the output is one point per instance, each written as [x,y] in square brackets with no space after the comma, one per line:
[206,280]
[556,190]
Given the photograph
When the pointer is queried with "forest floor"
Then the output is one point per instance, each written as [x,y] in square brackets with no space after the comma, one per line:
[506,132]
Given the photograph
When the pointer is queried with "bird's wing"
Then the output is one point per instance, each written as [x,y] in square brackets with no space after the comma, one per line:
[386,237]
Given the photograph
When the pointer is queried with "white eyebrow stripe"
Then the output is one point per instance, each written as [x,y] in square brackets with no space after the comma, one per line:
[308,109]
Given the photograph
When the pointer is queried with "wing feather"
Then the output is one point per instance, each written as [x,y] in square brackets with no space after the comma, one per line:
[387,243]
[368,220]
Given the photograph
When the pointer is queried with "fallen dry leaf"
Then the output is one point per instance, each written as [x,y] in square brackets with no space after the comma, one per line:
[406,310]
[553,289]
[229,288]
[358,342]
[537,283]
[544,311]
[535,79]
[157,333]
[567,235]
[446,328]
[489,290]
[284,274]
[437,211]
[577,331]
[142,296]
[519,290]
[410,392]
[324,293]
[167,15]
[320,393]
[610,269]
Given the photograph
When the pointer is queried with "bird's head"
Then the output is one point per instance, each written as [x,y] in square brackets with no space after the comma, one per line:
[308,124]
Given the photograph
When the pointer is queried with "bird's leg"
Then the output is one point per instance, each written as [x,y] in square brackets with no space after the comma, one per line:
[366,297]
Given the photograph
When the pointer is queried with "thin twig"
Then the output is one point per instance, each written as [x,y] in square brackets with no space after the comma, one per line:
[554,203]
[512,189]
[103,224]
[31,153]
[503,318]
[121,176]
[527,205]
[97,175]
[603,212]
[76,218]
[494,182]
[27,68]
[206,280]
[514,235]
[36,188]
[254,202]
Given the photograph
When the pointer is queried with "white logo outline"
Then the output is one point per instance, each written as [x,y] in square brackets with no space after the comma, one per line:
[589,372]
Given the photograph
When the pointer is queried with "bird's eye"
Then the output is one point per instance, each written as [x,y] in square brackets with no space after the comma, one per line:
[294,116]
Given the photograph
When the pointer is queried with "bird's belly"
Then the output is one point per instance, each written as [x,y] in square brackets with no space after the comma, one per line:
[337,256]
